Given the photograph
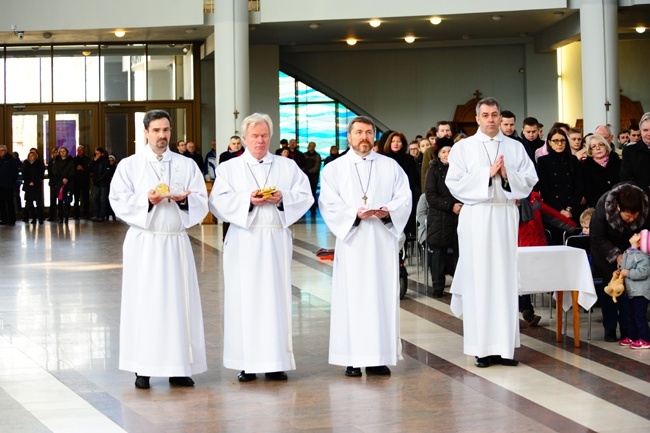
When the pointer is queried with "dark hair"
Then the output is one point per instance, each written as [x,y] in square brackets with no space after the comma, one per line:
[444,122]
[431,132]
[283,141]
[566,155]
[155,115]
[508,114]
[100,150]
[561,125]
[629,199]
[237,137]
[623,131]
[530,121]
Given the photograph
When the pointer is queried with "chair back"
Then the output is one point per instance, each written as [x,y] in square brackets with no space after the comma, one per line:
[583,242]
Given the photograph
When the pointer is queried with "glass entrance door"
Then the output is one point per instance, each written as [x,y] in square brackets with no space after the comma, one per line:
[123,128]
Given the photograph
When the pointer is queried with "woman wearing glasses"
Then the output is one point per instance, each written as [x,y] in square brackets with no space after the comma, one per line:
[601,169]
[560,180]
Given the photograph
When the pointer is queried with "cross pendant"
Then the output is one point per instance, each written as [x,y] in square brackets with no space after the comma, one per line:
[364,199]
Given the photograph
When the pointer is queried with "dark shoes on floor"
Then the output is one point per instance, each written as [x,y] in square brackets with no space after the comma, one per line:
[181,381]
[530,317]
[246,377]
[141,382]
[380,370]
[277,375]
[610,335]
[487,361]
[353,372]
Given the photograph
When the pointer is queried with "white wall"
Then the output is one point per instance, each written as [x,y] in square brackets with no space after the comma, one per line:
[411,89]
[98,14]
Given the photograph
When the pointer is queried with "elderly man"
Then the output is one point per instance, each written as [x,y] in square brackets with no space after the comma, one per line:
[260,195]
[159,194]
[194,154]
[488,172]
[635,165]
[365,201]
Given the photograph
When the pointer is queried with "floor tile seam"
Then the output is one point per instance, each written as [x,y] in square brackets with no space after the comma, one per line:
[604,388]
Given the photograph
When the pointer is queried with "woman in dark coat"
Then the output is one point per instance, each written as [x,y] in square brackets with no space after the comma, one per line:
[64,177]
[395,147]
[619,214]
[560,180]
[601,170]
[33,173]
[442,222]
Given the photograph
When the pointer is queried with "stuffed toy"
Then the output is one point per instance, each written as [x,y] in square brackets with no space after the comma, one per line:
[616,286]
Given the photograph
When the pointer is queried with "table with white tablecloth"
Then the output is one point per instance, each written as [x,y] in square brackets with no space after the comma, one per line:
[558,268]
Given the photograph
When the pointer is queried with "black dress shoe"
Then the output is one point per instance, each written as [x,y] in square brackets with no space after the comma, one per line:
[610,335]
[277,375]
[353,372]
[380,370]
[181,381]
[246,377]
[438,293]
[483,362]
[497,359]
[142,382]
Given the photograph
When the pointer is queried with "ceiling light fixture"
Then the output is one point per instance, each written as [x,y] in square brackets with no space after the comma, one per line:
[375,22]
[409,39]
[558,14]
[640,29]
[190,31]
[47,35]
[351,41]
[119,33]
[86,53]
[435,20]
[497,17]
[314,26]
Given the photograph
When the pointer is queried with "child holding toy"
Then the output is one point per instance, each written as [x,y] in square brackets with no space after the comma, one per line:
[635,267]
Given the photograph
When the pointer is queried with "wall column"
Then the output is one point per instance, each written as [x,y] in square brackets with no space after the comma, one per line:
[231,74]
[600,86]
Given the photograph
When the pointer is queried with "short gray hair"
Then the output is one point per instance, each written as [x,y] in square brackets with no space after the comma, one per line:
[490,101]
[644,118]
[255,119]
[3,147]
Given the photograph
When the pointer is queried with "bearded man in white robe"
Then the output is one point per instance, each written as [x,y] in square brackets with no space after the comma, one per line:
[159,194]
[261,195]
[365,200]
[488,172]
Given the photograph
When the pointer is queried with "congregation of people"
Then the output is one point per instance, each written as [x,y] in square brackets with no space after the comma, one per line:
[467,201]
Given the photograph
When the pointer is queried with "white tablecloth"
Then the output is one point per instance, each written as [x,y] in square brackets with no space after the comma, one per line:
[556,268]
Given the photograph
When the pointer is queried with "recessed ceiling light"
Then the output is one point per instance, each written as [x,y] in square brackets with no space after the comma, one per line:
[558,14]
[314,26]
[351,41]
[86,53]
[409,39]
[497,17]
[47,35]
[640,29]
[190,31]
[119,33]
[375,22]
[435,20]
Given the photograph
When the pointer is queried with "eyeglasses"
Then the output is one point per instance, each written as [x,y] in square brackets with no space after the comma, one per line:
[558,141]
[596,145]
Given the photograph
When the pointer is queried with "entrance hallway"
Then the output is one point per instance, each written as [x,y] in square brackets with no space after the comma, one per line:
[59,343]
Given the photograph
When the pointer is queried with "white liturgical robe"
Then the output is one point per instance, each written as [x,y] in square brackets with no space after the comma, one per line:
[257,254]
[161,329]
[484,288]
[364,327]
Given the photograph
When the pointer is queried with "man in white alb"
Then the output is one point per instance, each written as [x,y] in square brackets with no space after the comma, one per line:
[260,195]
[488,172]
[159,194]
[366,201]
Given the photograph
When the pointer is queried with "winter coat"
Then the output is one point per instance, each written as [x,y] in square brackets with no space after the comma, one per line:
[64,169]
[637,282]
[609,234]
[442,222]
[635,163]
[559,184]
[598,179]
[33,172]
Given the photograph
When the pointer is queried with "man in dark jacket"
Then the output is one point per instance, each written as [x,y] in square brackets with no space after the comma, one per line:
[81,183]
[8,177]
[99,168]
[635,165]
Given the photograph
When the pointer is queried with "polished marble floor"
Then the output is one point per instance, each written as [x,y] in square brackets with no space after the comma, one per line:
[59,328]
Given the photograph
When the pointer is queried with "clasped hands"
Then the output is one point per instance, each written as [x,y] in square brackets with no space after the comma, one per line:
[258,200]
[498,168]
[157,198]
[380,213]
